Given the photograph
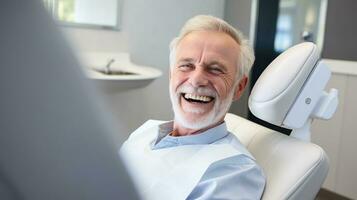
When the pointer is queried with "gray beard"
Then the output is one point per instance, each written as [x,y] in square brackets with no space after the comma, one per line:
[219,110]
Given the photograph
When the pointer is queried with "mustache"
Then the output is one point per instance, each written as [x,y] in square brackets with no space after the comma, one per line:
[205,91]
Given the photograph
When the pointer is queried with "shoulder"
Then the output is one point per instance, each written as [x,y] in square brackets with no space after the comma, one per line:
[148,126]
[234,142]
[141,136]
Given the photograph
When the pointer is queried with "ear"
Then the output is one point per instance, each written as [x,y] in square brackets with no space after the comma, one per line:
[240,88]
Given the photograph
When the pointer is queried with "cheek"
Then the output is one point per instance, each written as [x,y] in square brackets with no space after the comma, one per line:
[224,86]
[176,80]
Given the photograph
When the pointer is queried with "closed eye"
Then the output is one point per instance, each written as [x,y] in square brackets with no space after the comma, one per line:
[186,67]
[215,70]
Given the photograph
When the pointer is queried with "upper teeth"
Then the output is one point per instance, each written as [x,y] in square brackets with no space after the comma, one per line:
[198,97]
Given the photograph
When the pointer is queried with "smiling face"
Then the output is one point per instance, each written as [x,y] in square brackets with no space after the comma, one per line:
[203,79]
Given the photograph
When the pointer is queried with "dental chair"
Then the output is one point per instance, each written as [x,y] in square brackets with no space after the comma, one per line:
[294,169]
[289,94]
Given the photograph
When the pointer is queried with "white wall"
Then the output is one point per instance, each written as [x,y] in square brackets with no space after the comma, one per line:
[238,14]
[96,40]
[147,28]
[338,136]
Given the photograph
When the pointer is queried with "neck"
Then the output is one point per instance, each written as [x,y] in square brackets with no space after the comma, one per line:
[182,131]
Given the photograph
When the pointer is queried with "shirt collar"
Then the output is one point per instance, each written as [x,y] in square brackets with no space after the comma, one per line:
[207,137]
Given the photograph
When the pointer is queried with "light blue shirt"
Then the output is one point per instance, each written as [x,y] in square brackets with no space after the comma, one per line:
[237,177]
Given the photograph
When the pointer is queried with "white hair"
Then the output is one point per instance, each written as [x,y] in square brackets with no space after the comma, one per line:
[210,23]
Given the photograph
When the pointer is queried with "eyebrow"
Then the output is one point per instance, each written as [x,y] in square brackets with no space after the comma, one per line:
[205,64]
[185,60]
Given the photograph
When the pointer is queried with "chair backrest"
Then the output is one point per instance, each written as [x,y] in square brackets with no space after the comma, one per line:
[294,169]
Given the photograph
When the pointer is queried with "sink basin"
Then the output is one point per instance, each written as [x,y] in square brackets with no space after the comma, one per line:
[115,72]
[123,74]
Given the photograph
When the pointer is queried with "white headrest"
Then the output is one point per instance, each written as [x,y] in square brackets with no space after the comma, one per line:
[279,85]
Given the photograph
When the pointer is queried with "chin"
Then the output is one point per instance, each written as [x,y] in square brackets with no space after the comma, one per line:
[197,121]
[191,122]
[200,121]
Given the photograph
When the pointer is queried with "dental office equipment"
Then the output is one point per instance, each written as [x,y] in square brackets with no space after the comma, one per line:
[290,92]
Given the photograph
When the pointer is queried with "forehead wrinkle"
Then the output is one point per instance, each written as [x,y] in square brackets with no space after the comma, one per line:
[208,57]
[192,57]
[196,51]
[202,54]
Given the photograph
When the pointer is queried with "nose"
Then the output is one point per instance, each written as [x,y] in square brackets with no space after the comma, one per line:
[198,78]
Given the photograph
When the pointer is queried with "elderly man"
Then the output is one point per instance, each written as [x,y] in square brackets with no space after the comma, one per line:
[194,156]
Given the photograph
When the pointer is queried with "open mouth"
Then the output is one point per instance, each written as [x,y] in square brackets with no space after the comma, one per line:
[197,98]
